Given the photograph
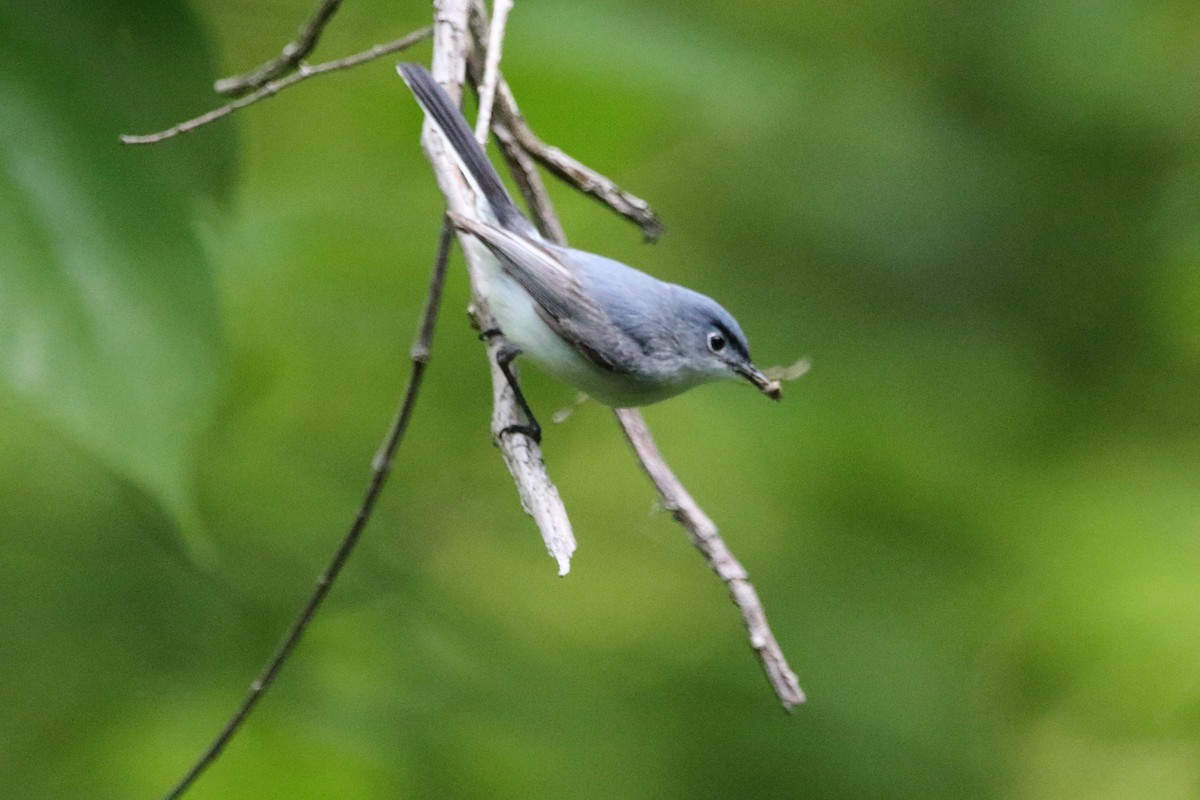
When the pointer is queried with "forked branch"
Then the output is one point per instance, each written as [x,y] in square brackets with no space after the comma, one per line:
[289,59]
[273,88]
[520,144]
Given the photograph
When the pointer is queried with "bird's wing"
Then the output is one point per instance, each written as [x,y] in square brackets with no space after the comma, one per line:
[557,293]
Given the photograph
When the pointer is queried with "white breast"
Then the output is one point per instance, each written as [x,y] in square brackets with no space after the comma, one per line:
[521,324]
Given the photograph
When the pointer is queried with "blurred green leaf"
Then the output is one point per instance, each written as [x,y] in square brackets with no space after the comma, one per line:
[109,326]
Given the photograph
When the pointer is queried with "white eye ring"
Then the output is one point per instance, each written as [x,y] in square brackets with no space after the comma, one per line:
[716,342]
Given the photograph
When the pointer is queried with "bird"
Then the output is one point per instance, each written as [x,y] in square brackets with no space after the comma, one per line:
[621,336]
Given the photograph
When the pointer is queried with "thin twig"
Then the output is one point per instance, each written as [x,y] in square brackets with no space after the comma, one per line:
[293,53]
[491,68]
[274,87]
[708,541]
[575,173]
[699,527]
[523,456]
[381,466]
[529,182]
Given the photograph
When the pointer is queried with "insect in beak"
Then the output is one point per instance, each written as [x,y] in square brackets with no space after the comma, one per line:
[770,388]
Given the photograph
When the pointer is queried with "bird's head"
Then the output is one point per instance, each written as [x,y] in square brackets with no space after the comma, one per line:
[713,344]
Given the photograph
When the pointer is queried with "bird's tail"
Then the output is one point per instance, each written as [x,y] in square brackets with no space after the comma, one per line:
[471,159]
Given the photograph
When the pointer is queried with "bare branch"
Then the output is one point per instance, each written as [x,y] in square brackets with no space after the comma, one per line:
[381,466]
[519,142]
[708,541]
[529,182]
[523,457]
[576,174]
[293,53]
[274,87]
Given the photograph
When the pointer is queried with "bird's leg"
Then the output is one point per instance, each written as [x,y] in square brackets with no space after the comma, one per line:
[504,358]
[505,355]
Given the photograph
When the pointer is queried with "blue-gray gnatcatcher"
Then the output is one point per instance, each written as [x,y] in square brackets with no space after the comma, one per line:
[619,335]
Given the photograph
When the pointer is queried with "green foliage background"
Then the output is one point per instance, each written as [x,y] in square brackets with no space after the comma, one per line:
[974,523]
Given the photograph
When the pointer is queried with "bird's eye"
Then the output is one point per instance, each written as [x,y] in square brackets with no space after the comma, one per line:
[716,342]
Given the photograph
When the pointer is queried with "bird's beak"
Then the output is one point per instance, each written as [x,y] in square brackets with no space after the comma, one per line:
[770,388]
